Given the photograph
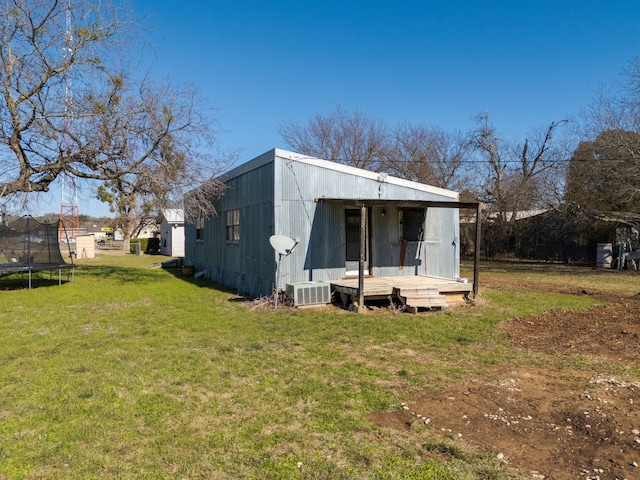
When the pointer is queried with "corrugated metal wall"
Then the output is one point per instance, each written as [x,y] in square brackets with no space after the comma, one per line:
[247,265]
[321,255]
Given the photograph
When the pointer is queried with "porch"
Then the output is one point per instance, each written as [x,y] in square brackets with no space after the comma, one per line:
[414,292]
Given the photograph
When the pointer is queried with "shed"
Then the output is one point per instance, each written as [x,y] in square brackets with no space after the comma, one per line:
[86,246]
[172,232]
[352,226]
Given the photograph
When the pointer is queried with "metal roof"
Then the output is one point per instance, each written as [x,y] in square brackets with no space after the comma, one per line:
[173,215]
[381,177]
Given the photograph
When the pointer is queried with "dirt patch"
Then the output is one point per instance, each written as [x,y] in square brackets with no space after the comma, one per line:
[545,423]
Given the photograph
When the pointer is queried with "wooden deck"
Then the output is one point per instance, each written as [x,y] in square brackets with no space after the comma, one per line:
[379,288]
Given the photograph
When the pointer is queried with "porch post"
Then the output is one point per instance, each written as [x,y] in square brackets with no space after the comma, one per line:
[363,250]
[476,254]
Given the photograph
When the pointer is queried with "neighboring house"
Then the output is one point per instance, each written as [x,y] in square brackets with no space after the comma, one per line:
[172,232]
[149,230]
[411,229]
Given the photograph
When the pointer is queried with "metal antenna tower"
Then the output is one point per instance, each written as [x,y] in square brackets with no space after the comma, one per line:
[69,215]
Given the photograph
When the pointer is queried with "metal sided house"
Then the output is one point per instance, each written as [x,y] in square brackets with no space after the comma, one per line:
[359,235]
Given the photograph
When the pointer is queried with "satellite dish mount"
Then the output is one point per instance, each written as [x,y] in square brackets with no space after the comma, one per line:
[284,246]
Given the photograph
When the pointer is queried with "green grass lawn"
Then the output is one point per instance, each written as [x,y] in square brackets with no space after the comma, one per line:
[136,372]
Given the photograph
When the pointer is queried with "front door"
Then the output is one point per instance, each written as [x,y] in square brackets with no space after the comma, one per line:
[352,237]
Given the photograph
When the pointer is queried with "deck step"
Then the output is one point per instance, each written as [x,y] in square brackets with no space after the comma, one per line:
[414,298]
[426,301]
[416,290]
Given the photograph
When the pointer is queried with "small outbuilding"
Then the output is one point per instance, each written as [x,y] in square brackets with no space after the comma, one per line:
[86,246]
[358,235]
[172,232]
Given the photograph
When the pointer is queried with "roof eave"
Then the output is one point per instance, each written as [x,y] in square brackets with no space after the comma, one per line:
[398,202]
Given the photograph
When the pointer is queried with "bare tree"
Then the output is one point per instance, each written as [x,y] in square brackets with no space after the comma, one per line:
[138,198]
[511,175]
[350,138]
[154,171]
[429,155]
[71,104]
[617,109]
[514,178]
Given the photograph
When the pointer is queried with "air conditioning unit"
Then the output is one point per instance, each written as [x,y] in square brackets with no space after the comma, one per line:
[309,293]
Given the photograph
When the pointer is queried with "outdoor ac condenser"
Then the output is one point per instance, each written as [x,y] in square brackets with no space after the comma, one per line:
[309,293]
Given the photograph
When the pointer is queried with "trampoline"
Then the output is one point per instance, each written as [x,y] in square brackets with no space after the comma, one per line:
[28,246]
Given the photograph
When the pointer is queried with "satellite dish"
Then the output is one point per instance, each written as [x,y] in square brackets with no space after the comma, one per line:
[282,244]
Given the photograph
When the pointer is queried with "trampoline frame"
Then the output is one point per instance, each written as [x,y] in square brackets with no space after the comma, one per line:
[30,266]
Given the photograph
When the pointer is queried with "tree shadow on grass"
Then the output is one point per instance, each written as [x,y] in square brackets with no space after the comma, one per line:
[117,273]
[150,275]
[20,281]
[39,276]
[206,283]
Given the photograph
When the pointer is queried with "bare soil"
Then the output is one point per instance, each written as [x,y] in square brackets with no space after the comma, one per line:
[550,423]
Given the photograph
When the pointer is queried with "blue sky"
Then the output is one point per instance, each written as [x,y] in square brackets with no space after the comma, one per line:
[260,63]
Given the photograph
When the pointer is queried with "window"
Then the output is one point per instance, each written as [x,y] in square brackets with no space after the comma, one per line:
[199,228]
[233,226]
[411,224]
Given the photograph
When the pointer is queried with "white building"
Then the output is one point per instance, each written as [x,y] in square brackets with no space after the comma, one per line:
[172,232]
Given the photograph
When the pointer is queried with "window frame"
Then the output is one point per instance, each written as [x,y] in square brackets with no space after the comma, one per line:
[402,224]
[232,226]
[200,228]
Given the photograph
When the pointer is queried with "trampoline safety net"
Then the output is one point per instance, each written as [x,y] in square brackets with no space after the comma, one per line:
[28,245]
